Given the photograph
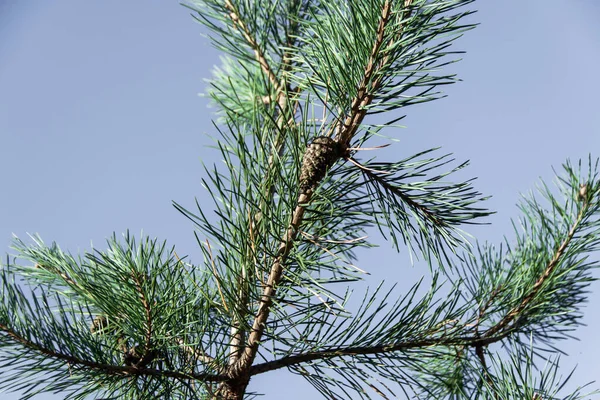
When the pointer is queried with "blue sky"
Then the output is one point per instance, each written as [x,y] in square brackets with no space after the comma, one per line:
[101,125]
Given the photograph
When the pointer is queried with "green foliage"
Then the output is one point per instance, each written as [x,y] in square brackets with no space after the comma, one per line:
[275,287]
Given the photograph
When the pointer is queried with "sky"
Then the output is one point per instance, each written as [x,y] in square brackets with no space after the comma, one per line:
[102,127]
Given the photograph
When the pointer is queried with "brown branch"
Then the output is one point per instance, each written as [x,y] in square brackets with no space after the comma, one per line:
[148,351]
[469,341]
[280,85]
[109,369]
[345,133]
[283,121]
[269,291]
[516,311]
[238,334]
[368,85]
[479,341]
[246,34]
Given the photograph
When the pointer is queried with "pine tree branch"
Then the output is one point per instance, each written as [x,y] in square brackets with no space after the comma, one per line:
[108,369]
[467,341]
[515,313]
[479,340]
[65,277]
[345,134]
[281,88]
[269,291]
[148,351]
[427,213]
[368,85]
[239,24]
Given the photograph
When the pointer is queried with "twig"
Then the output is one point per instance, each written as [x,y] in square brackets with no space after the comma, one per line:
[109,369]
[217,277]
[516,311]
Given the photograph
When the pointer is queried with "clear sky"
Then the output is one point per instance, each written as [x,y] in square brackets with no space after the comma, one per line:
[101,125]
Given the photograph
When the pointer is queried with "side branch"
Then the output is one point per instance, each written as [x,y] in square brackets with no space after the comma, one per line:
[108,369]
[368,85]
[469,341]
[407,199]
[284,119]
[260,57]
[269,291]
[478,341]
[147,352]
[516,311]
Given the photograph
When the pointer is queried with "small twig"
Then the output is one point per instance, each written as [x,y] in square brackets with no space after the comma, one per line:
[517,310]
[260,57]
[68,280]
[198,354]
[369,148]
[148,351]
[359,165]
[217,277]
[311,238]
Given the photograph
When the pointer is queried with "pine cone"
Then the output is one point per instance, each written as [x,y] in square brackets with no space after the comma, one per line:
[320,155]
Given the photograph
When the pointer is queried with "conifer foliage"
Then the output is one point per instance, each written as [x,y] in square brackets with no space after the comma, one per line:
[302,93]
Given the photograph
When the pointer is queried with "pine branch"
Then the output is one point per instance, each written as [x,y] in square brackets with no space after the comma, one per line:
[478,339]
[270,288]
[239,24]
[516,312]
[284,248]
[369,85]
[147,353]
[108,369]
[282,124]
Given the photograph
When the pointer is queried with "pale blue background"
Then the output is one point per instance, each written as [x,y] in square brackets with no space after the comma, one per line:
[101,126]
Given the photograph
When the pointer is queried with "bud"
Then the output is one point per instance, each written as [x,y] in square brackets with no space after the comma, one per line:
[583,192]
